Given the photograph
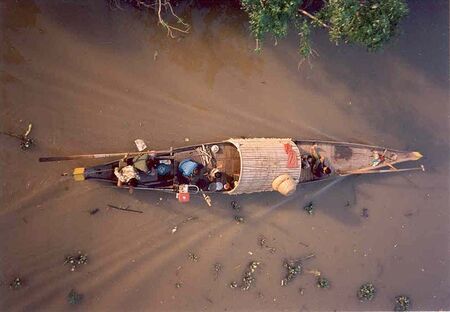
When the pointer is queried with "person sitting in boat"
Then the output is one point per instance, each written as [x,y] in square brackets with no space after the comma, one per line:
[163,169]
[320,169]
[378,158]
[214,174]
[126,173]
[193,173]
[188,168]
[307,162]
[150,165]
[199,178]
[145,163]
[314,153]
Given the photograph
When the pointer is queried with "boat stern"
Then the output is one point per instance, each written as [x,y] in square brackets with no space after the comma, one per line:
[78,174]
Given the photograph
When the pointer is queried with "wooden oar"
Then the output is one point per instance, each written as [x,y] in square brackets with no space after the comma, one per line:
[422,168]
[95,156]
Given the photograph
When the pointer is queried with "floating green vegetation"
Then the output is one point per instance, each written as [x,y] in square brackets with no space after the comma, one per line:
[402,303]
[74,298]
[76,260]
[16,283]
[235,206]
[323,282]
[309,208]
[366,292]
[248,278]
[193,257]
[249,275]
[294,268]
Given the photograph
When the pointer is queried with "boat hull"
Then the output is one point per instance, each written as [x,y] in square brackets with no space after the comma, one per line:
[343,158]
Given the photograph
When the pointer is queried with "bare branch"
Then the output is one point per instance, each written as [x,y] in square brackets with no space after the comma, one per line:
[179,20]
[170,29]
[314,18]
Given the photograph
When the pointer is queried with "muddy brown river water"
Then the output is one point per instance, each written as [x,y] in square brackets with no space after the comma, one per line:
[90,80]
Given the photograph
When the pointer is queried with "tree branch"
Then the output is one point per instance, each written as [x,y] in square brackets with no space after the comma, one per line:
[157,6]
[314,18]
[169,27]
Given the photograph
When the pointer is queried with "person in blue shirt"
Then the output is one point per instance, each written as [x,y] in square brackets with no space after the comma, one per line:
[188,168]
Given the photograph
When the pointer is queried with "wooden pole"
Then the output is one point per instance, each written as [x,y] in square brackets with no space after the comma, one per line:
[422,168]
[96,156]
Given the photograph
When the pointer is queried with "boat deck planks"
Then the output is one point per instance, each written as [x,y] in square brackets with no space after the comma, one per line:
[228,160]
[340,157]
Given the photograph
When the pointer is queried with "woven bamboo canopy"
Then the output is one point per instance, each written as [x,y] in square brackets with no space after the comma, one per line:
[262,161]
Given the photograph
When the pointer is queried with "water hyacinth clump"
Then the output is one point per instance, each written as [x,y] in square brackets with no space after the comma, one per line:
[366,292]
[74,298]
[293,268]
[16,283]
[249,276]
[193,257]
[309,208]
[76,261]
[402,303]
[235,206]
[323,282]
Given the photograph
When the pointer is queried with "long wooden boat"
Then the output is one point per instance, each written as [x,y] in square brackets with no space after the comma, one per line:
[240,166]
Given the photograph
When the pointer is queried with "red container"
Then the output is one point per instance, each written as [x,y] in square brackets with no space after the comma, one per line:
[183,197]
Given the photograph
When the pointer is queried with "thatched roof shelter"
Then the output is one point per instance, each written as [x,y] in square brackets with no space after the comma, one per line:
[263,160]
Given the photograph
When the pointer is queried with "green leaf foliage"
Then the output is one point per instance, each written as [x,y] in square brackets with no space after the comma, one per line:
[304,32]
[270,16]
[370,23]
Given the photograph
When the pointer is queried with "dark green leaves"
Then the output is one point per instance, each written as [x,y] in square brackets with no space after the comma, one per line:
[270,16]
[370,23]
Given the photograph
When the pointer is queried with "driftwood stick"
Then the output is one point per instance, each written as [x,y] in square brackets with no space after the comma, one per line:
[307,257]
[124,209]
